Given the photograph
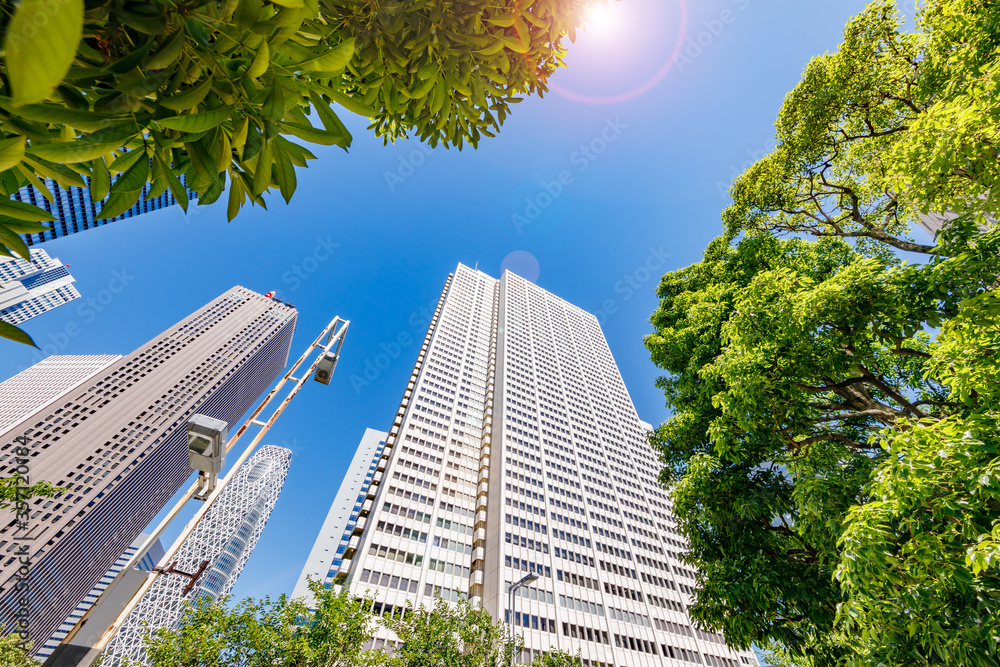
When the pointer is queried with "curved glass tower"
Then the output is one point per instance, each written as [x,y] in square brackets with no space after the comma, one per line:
[218,547]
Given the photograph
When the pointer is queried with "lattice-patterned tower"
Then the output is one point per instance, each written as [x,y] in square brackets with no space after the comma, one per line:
[211,559]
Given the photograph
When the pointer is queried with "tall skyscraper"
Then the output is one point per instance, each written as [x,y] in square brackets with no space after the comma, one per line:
[147,563]
[217,549]
[28,289]
[517,449]
[75,211]
[42,383]
[117,446]
[328,551]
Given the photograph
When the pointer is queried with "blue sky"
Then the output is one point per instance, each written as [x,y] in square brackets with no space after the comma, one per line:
[645,152]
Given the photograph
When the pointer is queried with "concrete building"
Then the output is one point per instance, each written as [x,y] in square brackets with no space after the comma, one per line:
[117,447]
[40,384]
[28,289]
[147,563]
[328,551]
[516,449]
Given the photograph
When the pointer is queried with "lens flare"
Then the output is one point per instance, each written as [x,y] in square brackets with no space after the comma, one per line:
[608,26]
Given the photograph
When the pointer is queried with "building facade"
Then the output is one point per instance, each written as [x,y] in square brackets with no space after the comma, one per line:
[40,384]
[516,449]
[146,563]
[117,447]
[328,551]
[218,548]
[28,289]
[75,211]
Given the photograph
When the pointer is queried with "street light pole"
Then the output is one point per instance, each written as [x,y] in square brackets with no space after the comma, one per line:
[523,581]
[328,343]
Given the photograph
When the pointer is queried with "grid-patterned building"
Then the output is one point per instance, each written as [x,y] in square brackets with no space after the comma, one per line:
[75,211]
[28,289]
[147,563]
[40,384]
[517,449]
[117,446]
[218,548]
[328,551]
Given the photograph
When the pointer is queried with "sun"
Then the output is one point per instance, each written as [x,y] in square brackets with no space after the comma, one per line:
[599,16]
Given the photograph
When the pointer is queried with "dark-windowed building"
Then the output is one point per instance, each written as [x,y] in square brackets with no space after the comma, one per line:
[116,445]
[75,211]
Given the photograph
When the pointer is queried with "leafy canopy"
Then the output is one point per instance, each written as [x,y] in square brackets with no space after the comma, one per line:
[890,125]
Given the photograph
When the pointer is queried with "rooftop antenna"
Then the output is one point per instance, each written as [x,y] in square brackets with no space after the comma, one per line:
[477,266]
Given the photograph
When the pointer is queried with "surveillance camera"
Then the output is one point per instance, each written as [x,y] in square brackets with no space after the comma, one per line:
[324,371]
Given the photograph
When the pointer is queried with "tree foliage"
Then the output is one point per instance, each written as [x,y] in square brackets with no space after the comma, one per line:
[333,631]
[11,654]
[112,96]
[832,451]
[889,125]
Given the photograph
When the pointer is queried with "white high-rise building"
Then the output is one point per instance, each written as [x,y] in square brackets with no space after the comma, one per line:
[328,551]
[28,289]
[517,449]
[39,385]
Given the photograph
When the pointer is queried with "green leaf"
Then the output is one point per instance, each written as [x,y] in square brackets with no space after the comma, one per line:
[11,152]
[262,173]
[294,4]
[274,104]
[334,60]
[177,188]
[71,152]
[330,120]
[100,180]
[284,172]
[126,160]
[134,177]
[10,332]
[197,122]
[23,211]
[40,45]
[169,53]
[54,113]
[316,136]
[236,197]
[261,61]
[10,239]
[56,172]
[21,226]
[190,98]
[118,203]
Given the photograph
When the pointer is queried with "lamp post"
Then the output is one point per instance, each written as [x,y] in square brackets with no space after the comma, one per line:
[523,581]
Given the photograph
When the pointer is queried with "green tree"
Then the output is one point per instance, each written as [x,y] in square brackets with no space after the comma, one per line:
[268,633]
[919,562]
[793,364]
[11,654]
[117,95]
[333,631]
[457,635]
[889,125]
